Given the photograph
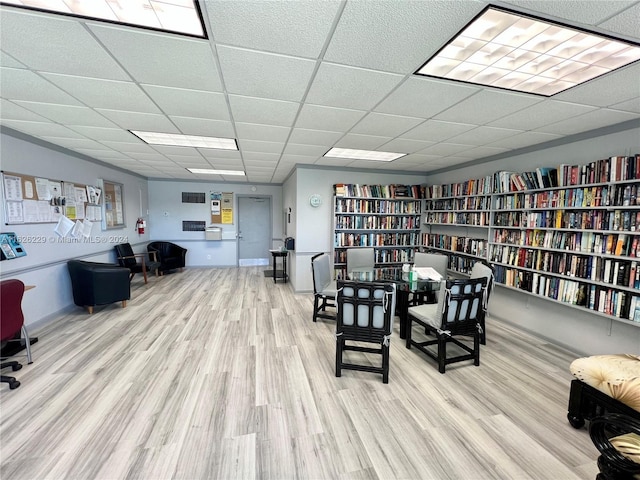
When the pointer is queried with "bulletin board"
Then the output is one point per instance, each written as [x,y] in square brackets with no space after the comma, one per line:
[222,207]
[28,199]
[113,195]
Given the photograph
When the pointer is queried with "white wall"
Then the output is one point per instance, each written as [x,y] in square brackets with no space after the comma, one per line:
[45,263]
[167,212]
[581,331]
[314,226]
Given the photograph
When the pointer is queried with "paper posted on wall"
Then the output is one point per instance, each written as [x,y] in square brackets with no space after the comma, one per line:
[428,273]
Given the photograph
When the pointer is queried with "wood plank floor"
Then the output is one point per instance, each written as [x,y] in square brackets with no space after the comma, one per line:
[221,374]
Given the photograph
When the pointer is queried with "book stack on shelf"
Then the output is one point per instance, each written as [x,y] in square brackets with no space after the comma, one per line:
[571,234]
[385,217]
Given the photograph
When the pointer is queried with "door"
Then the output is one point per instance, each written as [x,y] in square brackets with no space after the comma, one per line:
[254,230]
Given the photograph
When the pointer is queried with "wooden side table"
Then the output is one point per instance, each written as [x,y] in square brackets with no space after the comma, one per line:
[275,254]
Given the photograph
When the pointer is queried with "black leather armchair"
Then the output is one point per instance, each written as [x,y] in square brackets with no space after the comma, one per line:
[98,283]
[170,255]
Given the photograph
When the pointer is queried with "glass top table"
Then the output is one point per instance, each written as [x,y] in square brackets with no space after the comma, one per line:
[404,288]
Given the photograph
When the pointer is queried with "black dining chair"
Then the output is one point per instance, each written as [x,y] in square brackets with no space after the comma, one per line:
[365,315]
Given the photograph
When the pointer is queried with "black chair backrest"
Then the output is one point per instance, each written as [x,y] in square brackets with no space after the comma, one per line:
[364,310]
[125,254]
[463,305]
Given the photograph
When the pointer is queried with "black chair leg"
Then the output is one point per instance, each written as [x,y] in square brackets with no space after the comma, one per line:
[476,349]
[385,363]
[13,383]
[442,352]
[315,307]
[408,332]
[339,348]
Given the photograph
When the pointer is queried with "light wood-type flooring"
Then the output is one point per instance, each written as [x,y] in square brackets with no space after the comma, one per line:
[221,374]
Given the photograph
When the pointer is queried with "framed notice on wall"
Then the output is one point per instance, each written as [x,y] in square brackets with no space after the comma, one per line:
[222,207]
[113,205]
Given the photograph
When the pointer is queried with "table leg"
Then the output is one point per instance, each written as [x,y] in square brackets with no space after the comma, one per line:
[403,311]
[284,268]
[275,265]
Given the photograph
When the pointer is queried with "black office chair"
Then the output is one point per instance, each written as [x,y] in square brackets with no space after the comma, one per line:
[365,314]
[459,312]
[11,324]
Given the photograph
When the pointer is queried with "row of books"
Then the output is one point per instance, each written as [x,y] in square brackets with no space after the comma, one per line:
[375,239]
[387,272]
[352,205]
[624,273]
[379,191]
[387,222]
[601,299]
[461,264]
[613,169]
[453,218]
[384,255]
[583,241]
[479,186]
[463,203]
[600,196]
[472,246]
[616,220]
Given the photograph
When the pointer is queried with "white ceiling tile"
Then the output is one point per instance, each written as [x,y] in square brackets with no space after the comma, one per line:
[307,150]
[37,39]
[262,110]
[314,137]
[632,105]
[484,151]
[487,106]
[417,159]
[68,114]
[213,154]
[177,150]
[18,84]
[361,142]
[385,125]
[99,93]
[423,98]
[149,122]
[129,147]
[348,87]
[41,129]
[258,146]
[189,103]
[588,12]
[396,36]
[7,60]
[444,149]
[437,131]
[146,156]
[404,145]
[13,111]
[265,75]
[484,135]
[589,121]
[315,117]
[626,22]
[101,154]
[295,28]
[543,113]
[266,133]
[203,126]
[145,55]
[524,139]
[301,159]
[105,134]
[71,143]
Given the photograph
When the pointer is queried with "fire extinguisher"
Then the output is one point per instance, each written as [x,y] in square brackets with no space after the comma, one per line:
[140,225]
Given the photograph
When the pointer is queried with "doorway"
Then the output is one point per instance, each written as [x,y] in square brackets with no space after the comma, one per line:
[254,230]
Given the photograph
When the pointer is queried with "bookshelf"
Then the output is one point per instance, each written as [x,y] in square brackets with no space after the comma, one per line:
[567,234]
[385,217]
[458,216]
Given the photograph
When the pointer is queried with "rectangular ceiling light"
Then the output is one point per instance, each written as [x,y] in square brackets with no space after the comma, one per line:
[178,140]
[363,154]
[209,171]
[175,16]
[506,49]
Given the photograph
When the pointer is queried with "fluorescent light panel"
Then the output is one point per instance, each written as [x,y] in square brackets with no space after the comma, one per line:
[363,154]
[178,16]
[178,140]
[209,171]
[508,50]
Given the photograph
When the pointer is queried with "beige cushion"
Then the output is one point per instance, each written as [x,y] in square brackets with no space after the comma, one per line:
[431,313]
[615,375]
[628,445]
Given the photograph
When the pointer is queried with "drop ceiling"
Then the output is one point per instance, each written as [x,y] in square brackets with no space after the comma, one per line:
[291,80]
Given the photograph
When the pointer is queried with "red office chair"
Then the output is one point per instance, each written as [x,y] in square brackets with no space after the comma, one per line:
[12,323]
